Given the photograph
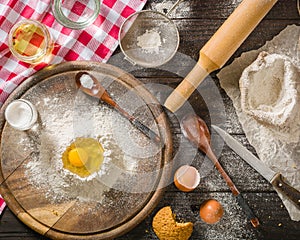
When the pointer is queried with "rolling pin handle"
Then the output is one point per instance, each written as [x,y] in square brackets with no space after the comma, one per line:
[179,96]
[217,51]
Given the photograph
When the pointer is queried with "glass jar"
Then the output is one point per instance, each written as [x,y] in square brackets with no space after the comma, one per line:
[21,114]
[76,14]
[30,41]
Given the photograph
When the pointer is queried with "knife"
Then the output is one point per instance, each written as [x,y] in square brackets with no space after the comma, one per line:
[275,178]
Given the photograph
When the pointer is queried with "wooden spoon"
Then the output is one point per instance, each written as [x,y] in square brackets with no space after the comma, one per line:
[91,86]
[196,131]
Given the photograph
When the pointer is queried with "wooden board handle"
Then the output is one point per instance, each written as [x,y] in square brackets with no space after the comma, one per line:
[221,47]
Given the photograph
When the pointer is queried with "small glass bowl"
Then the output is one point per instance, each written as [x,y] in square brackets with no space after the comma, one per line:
[21,114]
[76,14]
[30,41]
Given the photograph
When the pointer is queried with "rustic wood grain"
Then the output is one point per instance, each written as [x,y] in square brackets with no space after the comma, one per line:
[196,24]
[284,9]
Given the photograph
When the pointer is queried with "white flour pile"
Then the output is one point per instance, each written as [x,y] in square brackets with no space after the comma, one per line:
[150,41]
[45,170]
[274,136]
[86,81]
[269,90]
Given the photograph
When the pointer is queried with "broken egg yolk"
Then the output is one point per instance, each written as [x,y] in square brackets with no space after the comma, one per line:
[83,157]
[78,157]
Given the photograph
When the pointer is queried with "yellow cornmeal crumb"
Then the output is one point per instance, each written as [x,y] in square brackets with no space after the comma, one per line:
[85,161]
[166,227]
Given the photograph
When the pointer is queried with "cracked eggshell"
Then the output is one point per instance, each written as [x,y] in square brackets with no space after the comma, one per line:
[186,178]
[269,89]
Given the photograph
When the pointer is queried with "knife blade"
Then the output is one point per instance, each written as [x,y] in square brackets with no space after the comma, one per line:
[275,178]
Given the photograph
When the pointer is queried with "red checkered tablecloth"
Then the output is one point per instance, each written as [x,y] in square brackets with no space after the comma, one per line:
[97,42]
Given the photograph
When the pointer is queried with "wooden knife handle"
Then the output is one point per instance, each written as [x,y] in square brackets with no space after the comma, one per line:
[283,187]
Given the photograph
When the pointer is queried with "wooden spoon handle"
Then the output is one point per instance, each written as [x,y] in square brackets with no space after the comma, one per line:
[147,131]
[241,201]
[244,205]
[139,125]
[104,96]
[221,170]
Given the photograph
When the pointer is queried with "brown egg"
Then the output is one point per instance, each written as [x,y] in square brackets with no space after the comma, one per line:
[211,211]
[186,178]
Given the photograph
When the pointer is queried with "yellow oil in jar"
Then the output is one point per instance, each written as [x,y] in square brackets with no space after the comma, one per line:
[30,41]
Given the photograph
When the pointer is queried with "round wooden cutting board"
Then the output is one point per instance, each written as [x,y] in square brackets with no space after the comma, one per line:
[55,202]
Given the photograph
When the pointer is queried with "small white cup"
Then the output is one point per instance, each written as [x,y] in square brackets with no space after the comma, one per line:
[21,114]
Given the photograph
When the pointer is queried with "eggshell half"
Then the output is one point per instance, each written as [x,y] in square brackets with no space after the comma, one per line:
[186,178]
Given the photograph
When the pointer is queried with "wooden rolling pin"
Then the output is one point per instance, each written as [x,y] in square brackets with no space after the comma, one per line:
[221,47]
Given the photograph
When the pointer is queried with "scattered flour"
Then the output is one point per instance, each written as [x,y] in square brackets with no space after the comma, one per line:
[236,2]
[165,6]
[150,41]
[45,168]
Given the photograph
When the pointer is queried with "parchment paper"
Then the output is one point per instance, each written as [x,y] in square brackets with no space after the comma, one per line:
[279,148]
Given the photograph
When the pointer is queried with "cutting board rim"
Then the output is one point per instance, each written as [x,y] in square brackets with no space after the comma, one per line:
[165,172]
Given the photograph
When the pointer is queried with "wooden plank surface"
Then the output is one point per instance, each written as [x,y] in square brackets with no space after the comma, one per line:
[197,20]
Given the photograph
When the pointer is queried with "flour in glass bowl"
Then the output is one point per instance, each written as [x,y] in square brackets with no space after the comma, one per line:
[150,41]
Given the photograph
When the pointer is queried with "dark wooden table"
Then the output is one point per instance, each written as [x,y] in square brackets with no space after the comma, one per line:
[197,20]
